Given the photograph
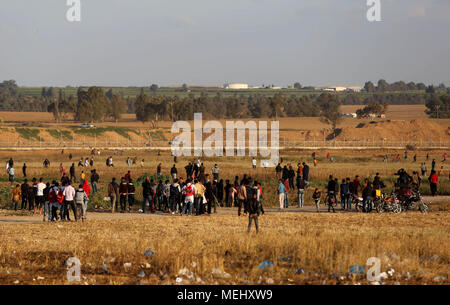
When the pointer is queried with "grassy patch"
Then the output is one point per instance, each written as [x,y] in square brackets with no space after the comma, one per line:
[92,132]
[157,135]
[28,133]
[60,134]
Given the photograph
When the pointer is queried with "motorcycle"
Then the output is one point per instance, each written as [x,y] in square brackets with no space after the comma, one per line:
[357,202]
[411,199]
[389,204]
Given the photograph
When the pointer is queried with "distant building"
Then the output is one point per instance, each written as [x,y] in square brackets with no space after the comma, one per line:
[236,86]
[342,88]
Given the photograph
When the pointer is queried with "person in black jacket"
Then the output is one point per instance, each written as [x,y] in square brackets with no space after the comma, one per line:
[331,193]
[305,172]
[253,211]
[291,177]
[344,188]
[72,173]
[285,175]
[367,197]
[174,172]
[24,188]
[147,194]
[378,183]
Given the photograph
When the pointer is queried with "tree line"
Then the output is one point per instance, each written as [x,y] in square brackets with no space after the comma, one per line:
[94,104]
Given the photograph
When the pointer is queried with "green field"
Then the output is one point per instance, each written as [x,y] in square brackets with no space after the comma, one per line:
[197,91]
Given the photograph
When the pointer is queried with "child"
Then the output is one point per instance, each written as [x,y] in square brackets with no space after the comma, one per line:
[316,196]
[253,211]
[15,196]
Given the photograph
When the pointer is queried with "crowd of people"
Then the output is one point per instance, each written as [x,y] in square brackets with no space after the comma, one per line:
[199,193]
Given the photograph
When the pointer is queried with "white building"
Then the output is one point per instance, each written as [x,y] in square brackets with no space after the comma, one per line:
[236,86]
[342,88]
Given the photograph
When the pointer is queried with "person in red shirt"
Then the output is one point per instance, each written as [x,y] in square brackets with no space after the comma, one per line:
[128,176]
[286,193]
[433,179]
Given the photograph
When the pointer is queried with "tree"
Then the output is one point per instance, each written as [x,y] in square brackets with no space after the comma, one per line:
[92,105]
[438,106]
[329,109]
[372,109]
[54,109]
[383,86]
[118,106]
[369,87]
[297,86]
[430,90]
[140,108]
[153,88]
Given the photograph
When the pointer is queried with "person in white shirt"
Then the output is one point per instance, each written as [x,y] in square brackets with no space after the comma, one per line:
[40,195]
[254,163]
[69,195]
[189,190]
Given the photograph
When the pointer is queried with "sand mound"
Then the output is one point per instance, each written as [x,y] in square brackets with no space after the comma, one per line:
[415,130]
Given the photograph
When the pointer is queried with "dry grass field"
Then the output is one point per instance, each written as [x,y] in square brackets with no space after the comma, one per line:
[325,245]
[111,247]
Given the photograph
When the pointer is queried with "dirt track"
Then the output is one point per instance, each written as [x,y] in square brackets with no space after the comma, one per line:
[7,217]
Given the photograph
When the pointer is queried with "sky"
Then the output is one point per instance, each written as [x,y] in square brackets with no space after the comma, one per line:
[212,42]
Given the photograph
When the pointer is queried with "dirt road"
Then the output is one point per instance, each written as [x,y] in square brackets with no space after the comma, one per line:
[9,217]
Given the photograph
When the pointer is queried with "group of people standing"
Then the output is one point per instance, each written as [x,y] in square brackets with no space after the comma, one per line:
[48,199]
[286,176]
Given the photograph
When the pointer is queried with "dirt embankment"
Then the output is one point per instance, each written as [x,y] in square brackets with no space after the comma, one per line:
[387,130]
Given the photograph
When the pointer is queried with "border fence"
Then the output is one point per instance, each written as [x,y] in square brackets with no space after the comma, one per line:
[108,144]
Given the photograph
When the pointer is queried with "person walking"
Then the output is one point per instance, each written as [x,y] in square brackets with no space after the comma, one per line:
[94,181]
[131,193]
[199,195]
[253,211]
[113,193]
[305,172]
[80,199]
[316,197]
[286,193]
[278,170]
[16,195]
[24,170]
[147,194]
[423,169]
[189,191]
[40,202]
[215,172]
[73,177]
[174,172]
[159,170]
[367,194]
[24,194]
[69,196]
[301,186]
[433,180]
[281,193]
[291,177]
[123,192]
[433,165]
[344,189]
[254,163]
[62,169]
[174,196]
[11,174]
[331,193]
[242,197]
